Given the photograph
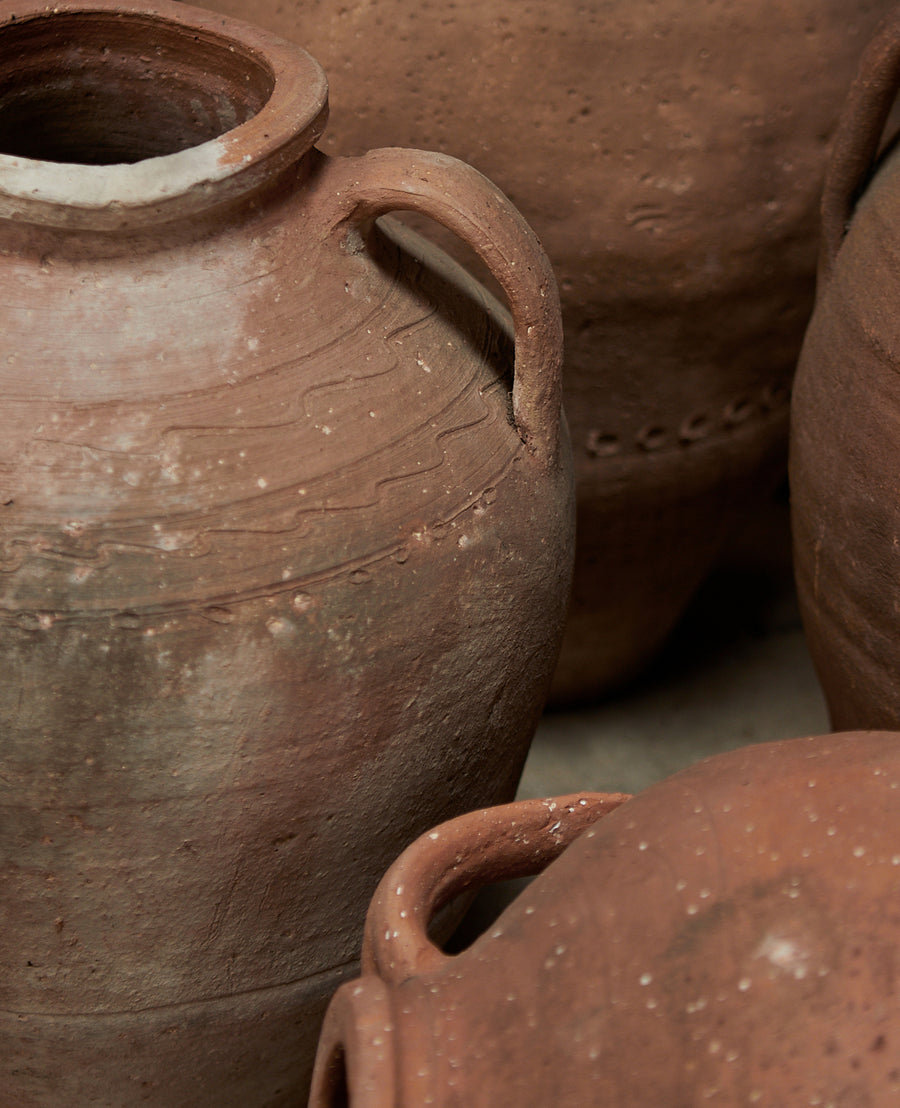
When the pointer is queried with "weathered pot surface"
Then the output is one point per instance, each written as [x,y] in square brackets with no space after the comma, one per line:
[670,156]
[727,936]
[284,548]
[845,461]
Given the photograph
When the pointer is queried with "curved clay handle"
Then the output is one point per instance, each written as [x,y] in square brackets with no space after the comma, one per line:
[468,204]
[494,844]
[858,136]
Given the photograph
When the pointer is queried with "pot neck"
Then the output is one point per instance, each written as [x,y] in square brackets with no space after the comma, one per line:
[118,116]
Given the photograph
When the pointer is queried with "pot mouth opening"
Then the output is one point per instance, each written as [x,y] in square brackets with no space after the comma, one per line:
[91,88]
[125,112]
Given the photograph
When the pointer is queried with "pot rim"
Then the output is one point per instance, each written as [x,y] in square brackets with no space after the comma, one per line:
[189,181]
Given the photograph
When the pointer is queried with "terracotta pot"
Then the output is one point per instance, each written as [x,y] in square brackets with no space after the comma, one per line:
[845,461]
[670,156]
[285,549]
[728,936]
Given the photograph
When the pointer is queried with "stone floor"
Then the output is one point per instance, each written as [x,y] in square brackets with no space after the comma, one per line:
[737,671]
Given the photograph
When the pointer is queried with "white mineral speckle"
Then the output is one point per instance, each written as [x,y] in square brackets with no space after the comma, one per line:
[784,954]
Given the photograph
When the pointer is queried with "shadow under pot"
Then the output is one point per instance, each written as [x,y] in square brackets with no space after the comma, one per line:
[662,958]
[845,458]
[285,545]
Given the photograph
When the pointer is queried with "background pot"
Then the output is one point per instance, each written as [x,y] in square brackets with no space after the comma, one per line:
[662,959]
[670,156]
[285,547]
[845,461]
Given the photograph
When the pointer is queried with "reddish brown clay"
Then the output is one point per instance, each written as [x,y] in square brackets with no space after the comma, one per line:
[285,548]
[845,460]
[670,156]
[726,937]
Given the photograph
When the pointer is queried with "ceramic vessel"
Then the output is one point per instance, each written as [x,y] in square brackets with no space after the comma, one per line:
[845,463]
[285,544]
[670,157]
[727,936]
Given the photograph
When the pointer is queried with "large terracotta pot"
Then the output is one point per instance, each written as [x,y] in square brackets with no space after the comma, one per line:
[729,936]
[284,548]
[670,156]
[845,457]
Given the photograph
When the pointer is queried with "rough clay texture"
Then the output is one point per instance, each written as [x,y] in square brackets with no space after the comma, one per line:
[670,157]
[281,586]
[726,937]
[844,471]
[844,455]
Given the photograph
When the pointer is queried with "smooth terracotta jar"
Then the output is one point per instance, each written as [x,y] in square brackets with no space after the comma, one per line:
[670,156]
[845,458]
[729,937]
[285,544]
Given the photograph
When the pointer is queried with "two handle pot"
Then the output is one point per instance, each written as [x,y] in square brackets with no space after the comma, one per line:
[726,937]
[285,543]
[845,458]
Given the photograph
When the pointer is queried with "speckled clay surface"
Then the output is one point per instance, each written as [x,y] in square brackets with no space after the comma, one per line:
[845,462]
[728,936]
[284,547]
[670,156]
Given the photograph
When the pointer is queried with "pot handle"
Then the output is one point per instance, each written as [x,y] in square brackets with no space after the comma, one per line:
[493,844]
[858,136]
[459,198]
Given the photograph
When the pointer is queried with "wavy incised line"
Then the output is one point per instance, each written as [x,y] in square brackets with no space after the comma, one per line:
[231,598]
[294,522]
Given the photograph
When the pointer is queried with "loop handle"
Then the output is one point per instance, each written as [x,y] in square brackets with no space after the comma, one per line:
[493,844]
[469,205]
[858,136]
